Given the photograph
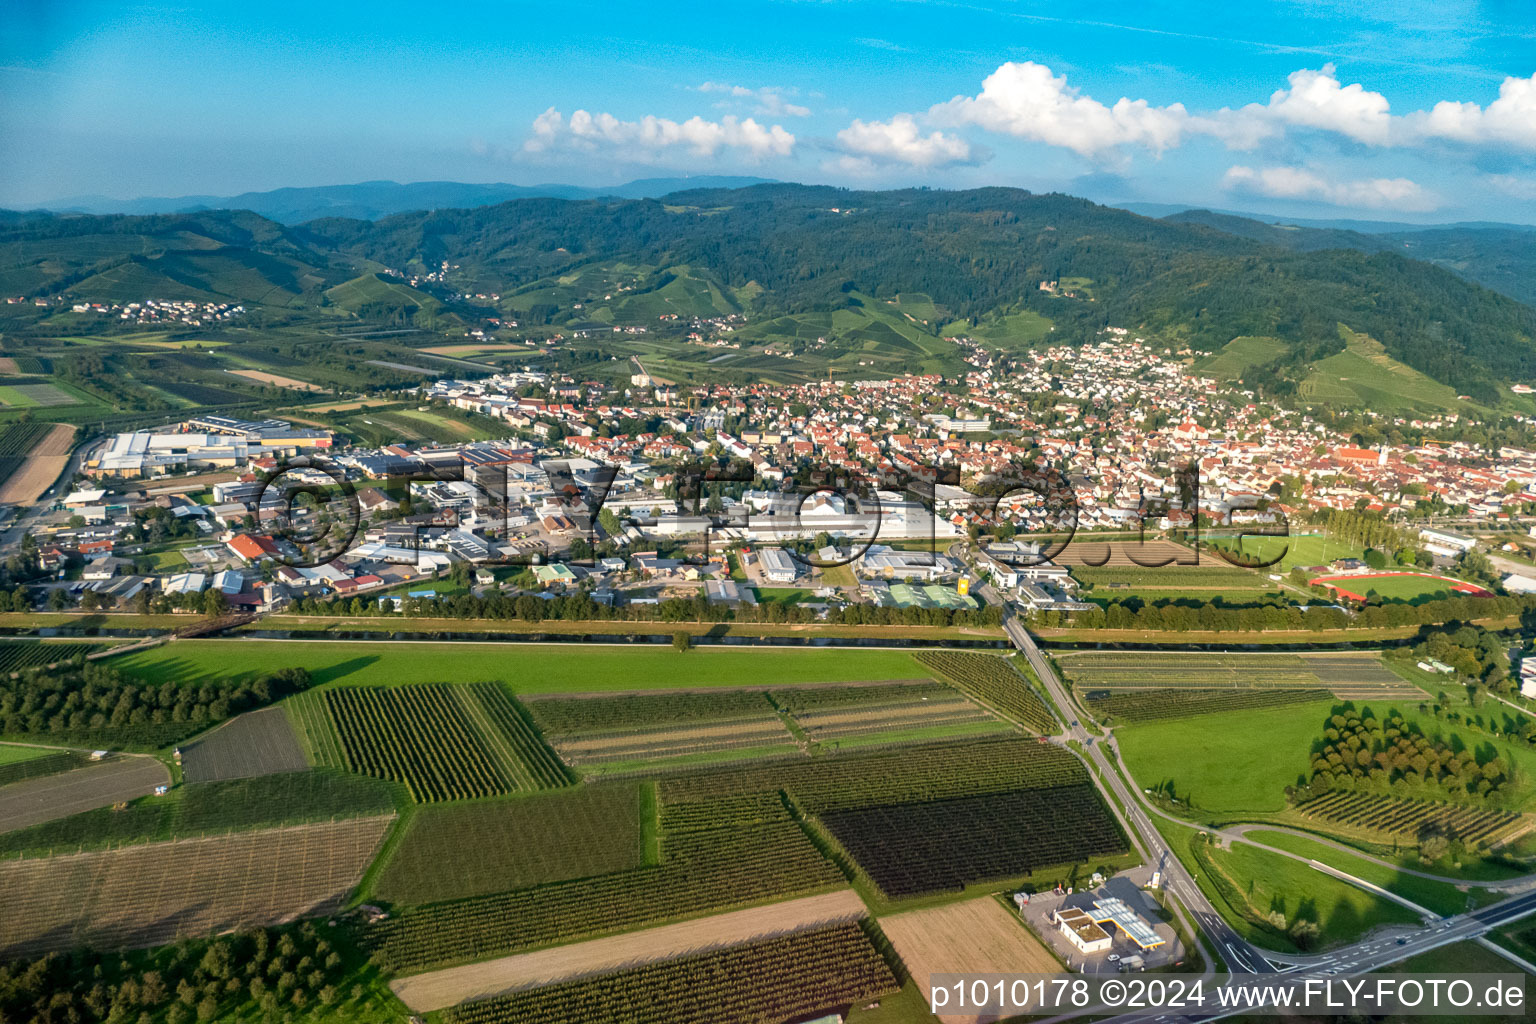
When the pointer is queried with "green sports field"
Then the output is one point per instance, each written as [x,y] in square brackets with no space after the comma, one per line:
[1297,549]
[526,668]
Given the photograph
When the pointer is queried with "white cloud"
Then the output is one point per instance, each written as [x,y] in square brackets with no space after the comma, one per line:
[1028,102]
[899,140]
[651,134]
[1513,185]
[1300,183]
[1509,120]
[768,100]
[1316,99]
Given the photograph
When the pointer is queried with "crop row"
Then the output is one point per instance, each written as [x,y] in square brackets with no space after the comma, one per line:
[1112,659]
[699,872]
[806,699]
[995,682]
[786,978]
[17,439]
[1400,816]
[22,654]
[724,812]
[1180,702]
[535,763]
[913,773]
[570,715]
[36,767]
[912,849]
[417,735]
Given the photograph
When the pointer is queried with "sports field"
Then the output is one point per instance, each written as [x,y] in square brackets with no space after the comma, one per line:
[1282,554]
[527,668]
[1398,586]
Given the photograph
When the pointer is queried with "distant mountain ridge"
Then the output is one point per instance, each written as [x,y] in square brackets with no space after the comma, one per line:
[371,200]
[801,260]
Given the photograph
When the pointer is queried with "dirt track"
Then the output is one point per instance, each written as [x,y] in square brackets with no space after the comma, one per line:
[438,989]
[45,462]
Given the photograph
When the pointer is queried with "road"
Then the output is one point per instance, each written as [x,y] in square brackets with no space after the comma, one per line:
[29,516]
[1370,954]
[1236,951]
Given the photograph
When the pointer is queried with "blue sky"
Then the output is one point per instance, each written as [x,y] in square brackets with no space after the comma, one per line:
[1414,110]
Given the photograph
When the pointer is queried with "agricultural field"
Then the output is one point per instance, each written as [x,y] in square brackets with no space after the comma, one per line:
[1399,817]
[1238,356]
[1347,675]
[255,743]
[208,808]
[914,774]
[475,849]
[944,846]
[30,461]
[1363,376]
[47,797]
[977,935]
[155,893]
[439,989]
[1135,556]
[19,654]
[525,668]
[639,732]
[995,682]
[20,762]
[440,740]
[700,872]
[785,978]
[1116,707]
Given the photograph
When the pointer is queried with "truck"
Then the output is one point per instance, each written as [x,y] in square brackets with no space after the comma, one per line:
[1132,963]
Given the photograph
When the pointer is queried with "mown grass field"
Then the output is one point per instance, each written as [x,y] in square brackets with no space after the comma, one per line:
[526,668]
[1297,549]
[1229,762]
[1441,897]
[1247,884]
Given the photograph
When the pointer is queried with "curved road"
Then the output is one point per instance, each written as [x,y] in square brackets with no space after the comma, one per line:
[1241,956]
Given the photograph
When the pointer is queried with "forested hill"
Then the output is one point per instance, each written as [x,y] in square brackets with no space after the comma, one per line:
[979,251]
[774,249]
[1502,257]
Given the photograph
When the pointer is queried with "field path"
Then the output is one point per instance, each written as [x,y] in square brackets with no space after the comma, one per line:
[34,801]
[438,989]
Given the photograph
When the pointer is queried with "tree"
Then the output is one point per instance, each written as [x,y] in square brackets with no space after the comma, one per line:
[681,641]
[214,603]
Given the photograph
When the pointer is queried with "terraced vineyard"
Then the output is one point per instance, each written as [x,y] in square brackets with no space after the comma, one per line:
[1346,676]
[786,978]
[1115,707]
[994,681]
[1399,816]
[915,849]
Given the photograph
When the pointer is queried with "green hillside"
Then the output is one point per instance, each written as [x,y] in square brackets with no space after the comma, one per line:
[1363,376]
[1239,356]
